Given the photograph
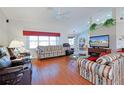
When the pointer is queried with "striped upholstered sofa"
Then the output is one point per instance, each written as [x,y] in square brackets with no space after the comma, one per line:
[107,70]
[51,51]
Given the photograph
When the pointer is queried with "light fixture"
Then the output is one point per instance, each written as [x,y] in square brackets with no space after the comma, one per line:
[88,22]
[13,48]
[108,15]
[97,20]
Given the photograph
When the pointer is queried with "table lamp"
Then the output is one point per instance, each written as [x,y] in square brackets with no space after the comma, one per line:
[13,48]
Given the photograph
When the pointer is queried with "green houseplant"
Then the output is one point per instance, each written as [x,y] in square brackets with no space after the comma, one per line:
[93,27]
[109,22]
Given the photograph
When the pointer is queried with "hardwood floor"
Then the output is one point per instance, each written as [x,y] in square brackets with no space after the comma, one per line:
[56,71]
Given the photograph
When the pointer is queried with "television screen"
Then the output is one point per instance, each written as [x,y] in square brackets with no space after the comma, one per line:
[99,41]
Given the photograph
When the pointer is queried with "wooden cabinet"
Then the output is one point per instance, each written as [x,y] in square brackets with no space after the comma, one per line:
[98,50]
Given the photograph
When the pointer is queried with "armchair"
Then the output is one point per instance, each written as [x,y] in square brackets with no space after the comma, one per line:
[68,50]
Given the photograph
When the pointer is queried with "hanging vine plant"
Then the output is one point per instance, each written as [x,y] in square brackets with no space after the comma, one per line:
[109,22]
[93,27]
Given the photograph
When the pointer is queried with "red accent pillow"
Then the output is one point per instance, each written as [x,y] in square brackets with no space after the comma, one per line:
[103,53]
[92,58]
[120,51]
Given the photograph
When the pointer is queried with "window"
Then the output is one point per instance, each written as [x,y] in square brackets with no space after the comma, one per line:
[38,38]
[43,40]
[71,41]
[35,41]
[53,41]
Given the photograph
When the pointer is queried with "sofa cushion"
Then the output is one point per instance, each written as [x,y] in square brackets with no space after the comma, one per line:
[106,59]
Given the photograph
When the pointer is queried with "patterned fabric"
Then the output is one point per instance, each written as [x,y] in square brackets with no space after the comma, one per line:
[104,71]
[5,62]
[50,51]
[4,58]
[106,59]
[4,50]
[100,74]
[122,54]
[87,69]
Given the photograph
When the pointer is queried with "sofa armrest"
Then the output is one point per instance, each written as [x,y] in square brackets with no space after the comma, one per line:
[82,61]
[87,64]
[104,71]
[11,70]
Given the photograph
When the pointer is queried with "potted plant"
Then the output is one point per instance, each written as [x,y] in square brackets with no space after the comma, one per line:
[93,27]
[109,22]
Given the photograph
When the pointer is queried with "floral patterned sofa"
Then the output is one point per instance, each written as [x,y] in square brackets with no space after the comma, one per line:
[107,70]
[51,51]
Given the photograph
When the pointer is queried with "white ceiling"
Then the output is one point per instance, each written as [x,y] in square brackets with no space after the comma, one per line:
[62,15]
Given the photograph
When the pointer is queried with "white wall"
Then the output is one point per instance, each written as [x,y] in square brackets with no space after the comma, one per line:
[111,31]
[16,31]
[120,33]
[3,30]
[119,28]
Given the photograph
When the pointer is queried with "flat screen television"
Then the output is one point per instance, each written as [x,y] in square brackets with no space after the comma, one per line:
[99,41]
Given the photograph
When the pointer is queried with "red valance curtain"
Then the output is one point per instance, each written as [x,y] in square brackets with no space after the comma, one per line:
[35,33]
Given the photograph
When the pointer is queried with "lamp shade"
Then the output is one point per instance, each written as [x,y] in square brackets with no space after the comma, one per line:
[16,44]
[21,43]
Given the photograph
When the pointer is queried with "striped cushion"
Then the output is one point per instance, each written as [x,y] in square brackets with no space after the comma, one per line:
[106,59]
[91,66]
[84,62]
[79,60]
[122,54]
[104,71]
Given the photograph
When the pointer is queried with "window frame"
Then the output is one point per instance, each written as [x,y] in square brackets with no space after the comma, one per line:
[72,45]
[38,41]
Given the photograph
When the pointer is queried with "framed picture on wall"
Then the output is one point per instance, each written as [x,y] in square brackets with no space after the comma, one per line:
[82,44]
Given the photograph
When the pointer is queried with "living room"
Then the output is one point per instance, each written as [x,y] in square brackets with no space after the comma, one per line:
[58,41]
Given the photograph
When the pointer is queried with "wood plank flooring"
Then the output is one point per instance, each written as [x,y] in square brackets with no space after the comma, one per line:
[56,71]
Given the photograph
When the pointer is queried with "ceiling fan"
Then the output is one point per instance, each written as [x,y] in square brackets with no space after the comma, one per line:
[59,13]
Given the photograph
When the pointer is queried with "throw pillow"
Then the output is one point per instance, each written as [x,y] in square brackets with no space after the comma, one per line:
[5,62]
[92,58]
[103,53]
[2,54]
[106,59]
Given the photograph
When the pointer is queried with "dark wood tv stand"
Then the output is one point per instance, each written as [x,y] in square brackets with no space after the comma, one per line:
[98,50]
